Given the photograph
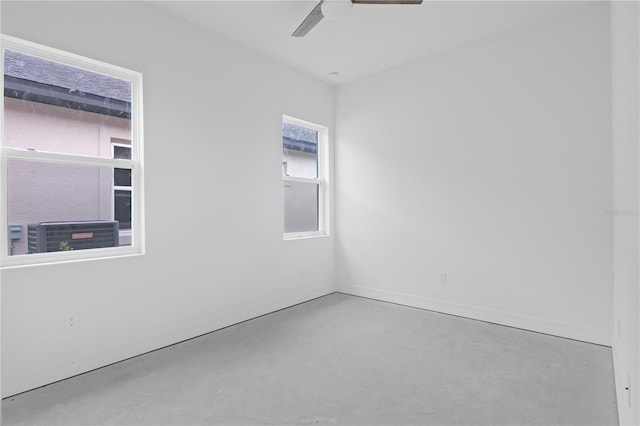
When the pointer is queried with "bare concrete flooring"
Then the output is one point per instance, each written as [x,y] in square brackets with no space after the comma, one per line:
[341,360]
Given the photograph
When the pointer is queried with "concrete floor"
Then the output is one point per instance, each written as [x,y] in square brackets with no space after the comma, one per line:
[341,360]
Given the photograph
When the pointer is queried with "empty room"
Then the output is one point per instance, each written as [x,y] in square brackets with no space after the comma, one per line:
[367,212]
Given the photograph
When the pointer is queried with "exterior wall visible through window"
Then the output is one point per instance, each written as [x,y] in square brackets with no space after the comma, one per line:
[41,192]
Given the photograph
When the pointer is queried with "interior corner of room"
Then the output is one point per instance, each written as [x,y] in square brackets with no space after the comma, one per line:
[495,179]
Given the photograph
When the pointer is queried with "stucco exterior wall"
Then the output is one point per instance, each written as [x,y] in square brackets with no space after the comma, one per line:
[300,199]
[59,192]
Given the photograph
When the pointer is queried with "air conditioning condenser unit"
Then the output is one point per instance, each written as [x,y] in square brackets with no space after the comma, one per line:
[58,236]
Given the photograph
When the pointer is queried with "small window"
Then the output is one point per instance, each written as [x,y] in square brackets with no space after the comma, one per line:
[304,178]
[71,157]
[122,191]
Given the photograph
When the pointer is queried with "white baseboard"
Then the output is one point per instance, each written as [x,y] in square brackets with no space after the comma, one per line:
[627,409]
[511,319]
[50,372]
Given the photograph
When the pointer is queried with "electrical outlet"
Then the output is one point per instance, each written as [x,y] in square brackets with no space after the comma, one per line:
[443,278]
[70,321]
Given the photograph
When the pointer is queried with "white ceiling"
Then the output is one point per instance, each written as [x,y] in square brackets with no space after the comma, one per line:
[371,39]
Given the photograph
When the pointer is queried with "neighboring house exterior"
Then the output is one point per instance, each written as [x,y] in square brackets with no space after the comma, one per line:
[56,108]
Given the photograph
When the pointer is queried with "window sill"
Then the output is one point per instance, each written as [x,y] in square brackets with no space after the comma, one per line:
[54,258]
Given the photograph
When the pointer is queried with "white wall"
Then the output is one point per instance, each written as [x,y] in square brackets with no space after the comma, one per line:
[490,162]
[625,21]
[215,253]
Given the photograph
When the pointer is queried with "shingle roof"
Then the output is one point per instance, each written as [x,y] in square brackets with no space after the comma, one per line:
[43,71]
[300,133]
[299,138]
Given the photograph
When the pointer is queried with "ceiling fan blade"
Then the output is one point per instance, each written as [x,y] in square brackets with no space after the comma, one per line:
[309,22]
[386,1]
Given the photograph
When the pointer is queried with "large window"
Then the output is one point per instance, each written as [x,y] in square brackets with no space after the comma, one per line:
[304,171]
[72,181]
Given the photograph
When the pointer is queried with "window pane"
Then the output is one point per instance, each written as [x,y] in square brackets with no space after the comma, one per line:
[122,152]
[122,177]
[122,208]
[54,107]
[40,192]
[300,206]
[299,151]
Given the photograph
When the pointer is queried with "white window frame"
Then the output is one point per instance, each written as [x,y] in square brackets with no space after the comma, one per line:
[137,246]
[322,180]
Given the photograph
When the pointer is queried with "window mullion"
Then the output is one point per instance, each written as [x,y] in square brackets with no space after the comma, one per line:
[302,179]
[54,157]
